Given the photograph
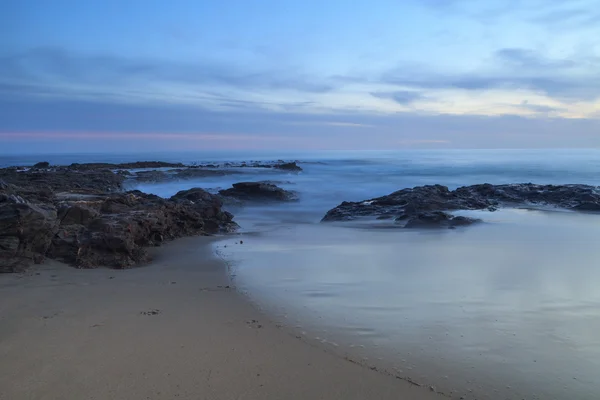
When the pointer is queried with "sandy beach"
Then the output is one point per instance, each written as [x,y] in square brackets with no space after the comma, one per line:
[172,329]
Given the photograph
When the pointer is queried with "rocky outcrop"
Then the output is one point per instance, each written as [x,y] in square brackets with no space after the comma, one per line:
[63,180]
[437,219]
[42,165]
[252,191]
[192,173]
[116,230]
[130,165]
[85,219]
[26,232]
[291,166]
[421,205]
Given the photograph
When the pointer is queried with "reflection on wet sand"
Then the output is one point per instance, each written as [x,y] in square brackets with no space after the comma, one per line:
[505,309]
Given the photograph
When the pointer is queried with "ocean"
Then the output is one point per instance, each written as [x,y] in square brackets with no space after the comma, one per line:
[507,309]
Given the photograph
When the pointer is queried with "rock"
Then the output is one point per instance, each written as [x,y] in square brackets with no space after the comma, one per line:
[438,219]
[291,166]
[26,232]
[83,218]
[127,223]
[409,204]
[152,176]
[192,173]
[79,213]
[258,191]
[587,206]
[36,181]
[42,165]
[130,165]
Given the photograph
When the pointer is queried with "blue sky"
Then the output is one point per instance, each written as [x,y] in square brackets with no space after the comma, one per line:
[379,74]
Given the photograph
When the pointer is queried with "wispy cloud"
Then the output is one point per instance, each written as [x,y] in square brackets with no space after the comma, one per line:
[59,69]
[402,97]
[540,108]
[512,69]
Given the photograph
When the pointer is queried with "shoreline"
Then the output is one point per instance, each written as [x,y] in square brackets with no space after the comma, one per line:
[176,328]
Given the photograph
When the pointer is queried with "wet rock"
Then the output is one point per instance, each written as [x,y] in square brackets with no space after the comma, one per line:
[587,206]
[258,191]
[438,219]
[192,173]
[130,165]
[79,213]
[410,203]
[63,179]
[290,166]
[26,232]
[152,176]
[127,223]
[42,165]
[66,215]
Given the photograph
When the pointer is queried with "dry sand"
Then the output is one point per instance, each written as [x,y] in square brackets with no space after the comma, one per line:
[171,330]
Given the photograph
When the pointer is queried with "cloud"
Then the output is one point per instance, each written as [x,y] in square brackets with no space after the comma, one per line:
[402,97]
[517,58]
[569,15]
[51,67]
[540,108]
[65,124]
[576,79]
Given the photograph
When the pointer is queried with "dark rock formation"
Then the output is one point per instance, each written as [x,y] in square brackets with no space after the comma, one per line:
[130,165]
[258,191]
[191,173]
[83,218]
[61,179]
[291,166]
[152,176]
[116,230]
[410,204]
[26,232]
[437,219]
[42,165]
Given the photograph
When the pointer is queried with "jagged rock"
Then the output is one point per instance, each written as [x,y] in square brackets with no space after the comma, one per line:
[152,176]
[35,181]
[79,213]
[191,173]
[130,165]
[291,166]
[42,165]
[437,219]
[26,231]
[408,204]
[258,191]
[76,217]
[125,224]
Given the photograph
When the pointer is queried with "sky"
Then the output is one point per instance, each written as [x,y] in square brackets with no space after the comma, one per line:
[148,75]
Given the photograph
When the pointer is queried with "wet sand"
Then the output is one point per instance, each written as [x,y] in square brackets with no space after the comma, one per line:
[172,330]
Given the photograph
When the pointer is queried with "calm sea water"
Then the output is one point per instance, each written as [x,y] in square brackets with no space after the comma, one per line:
[509,309]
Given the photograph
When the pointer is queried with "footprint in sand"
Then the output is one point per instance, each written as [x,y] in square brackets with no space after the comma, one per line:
[150,312]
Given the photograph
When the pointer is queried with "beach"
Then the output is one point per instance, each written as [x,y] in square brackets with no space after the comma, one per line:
[173,329]
[386,275]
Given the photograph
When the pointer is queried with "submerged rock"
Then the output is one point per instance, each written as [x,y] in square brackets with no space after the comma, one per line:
[290,166]
[416,205]
[152,176]
[438,219]
[258,191]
